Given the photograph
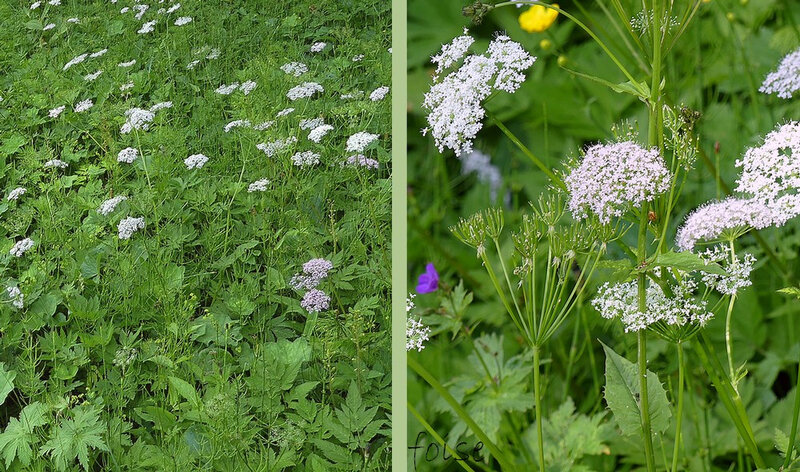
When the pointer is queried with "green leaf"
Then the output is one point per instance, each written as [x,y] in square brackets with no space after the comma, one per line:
[622,395]
[12,144]
[184,389]
[687,262]
[6,382]
[16,440]
[74,438]
[793,291]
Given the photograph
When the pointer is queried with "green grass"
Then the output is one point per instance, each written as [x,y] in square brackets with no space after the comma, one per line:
[477,353]
[185,348]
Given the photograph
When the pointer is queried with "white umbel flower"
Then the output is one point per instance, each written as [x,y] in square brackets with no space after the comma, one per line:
[16,193]
[258,186]
[318,46]
[309,124]
[613,177]
[57,111]
[379,94]
[195,161]
[83,105]
[294,68]
[304,159]
[110,205]
[227,89]
[127,64]
[128,155]
[319,132]
[57,163]
[137,118]
[784,81]
[734,216]
[273,147]
[16,297]
[359,141]
[184,20]
[128,226]
[93,76]
[304,90]
[148,27]
[248,87]
[21,247]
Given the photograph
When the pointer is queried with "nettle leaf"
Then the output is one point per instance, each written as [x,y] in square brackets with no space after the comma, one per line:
[17,439]
[622,395]
[74,438]
[6,382]
[687,262]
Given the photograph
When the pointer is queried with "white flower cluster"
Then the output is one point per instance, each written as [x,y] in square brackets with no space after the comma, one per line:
[21,247]
[110,205]
[16,193]
[128,155]
[184,20]
[360,160]
[318,47]
[612,177]
[738,270]
[621,300]
[315,301]
[359,141]
[127,64]
[57,111]
[379,94]
[57,163]
[94,75]
[712,220]
[294,68]
[306,158]
[128,226]
[314,272]
[416,334]
[245,87]
[481,164]
[16,297]
[309,124]
[319,132]
[304,90]
[454,101]
[770,181]
[284,112]
[784,81]
[238,124]
[148,27]
[137,118]
[258,186]
[195,161]
[84,105]
[273,147]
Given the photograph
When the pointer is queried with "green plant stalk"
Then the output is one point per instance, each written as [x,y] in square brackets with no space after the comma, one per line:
[501,458]
[679,413]
[730,398]
[728,343]
[795,414]
[537,393]
[644,406]
[528,153]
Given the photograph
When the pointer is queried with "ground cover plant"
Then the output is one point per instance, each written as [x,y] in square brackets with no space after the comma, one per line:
[603,235]
[194,249]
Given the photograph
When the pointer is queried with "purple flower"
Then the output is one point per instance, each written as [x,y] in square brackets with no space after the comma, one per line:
[429,280]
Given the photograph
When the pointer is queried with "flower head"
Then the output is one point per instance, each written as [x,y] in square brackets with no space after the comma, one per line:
[416,334]
[195,161]
[306,158]
[732,216]
[128,226]
[319,132]
[359,141]
[784,81]
[128,155]
[455,100]
[21,247]
[16,193]
[315,300]
[538,18]
[428,281]
[110,205]
[304,90]
[612,177]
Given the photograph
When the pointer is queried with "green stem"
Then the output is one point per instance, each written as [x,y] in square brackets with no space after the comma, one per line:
[537,393]
[644,402]
[528,153]
[729,397]
[679,420]
[728,346]
[795,414]
[438,438]
[501,458]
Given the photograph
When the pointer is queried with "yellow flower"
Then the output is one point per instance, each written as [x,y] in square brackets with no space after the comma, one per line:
[538,18]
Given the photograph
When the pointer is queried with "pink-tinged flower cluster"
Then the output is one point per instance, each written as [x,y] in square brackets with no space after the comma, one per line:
[785,80]
[314,271]
[613,177]
[315,301]
[769,179]
[455,100]
[732,215]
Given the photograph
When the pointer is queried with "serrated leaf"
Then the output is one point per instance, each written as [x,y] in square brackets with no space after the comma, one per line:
[17,439]
[75,437]
[6,382]
[12,144]
[622,395]
[687,262]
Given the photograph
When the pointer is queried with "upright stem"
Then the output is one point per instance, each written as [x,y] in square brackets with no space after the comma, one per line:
[796,412]
[537,393]
[728,346]
[644,404]
[679,420]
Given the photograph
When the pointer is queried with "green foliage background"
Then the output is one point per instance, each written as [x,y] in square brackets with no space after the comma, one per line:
[184,348]
[716,68]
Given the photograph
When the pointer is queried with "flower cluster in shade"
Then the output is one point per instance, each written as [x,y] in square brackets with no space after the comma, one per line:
[612,178]
[481,165]
[768,188]
[416,332]
[455,99]
[16,297]
[621,300]
[314,272]
[21,247]
[128,226]
[785,80]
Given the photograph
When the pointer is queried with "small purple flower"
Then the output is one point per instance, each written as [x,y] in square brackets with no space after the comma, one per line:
[429,280]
